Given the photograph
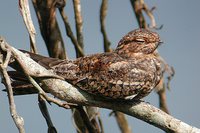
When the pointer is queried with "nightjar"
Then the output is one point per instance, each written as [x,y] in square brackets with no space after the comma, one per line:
[130,71]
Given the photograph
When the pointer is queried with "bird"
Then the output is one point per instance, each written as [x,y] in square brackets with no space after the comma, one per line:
[131,71]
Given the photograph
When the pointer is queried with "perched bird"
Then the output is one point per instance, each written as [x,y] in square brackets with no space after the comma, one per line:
[130,71]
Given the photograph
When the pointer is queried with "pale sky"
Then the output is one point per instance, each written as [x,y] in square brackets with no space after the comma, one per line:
[181,36]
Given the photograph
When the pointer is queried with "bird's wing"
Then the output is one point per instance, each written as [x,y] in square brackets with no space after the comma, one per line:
[112,76]
[130,77]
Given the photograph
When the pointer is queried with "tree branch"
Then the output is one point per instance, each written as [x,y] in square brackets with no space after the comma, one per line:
[122,121]
[141,110]
[25,12]
[18,120]
[50,31]
[45,113]
[79,22]
[103,13]
[70,33]
[137,9]
[161,91]
[86,120]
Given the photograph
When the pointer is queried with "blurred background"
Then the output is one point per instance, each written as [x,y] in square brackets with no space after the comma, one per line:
[181,36]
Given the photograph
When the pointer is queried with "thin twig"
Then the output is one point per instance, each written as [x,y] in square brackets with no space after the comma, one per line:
[78,122]
[49,99]
[137,9]
[122,122]
[149,13]
[161,87]
[86,120]
[161,91]
[45,113]
[25,12]
[93,113]
[139,6]
[18,120]
[171,72]
[103,13]
[100,124]
[70,33]
[79,22]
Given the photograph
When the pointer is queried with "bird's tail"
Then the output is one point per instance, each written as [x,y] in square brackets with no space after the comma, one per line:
[19,82]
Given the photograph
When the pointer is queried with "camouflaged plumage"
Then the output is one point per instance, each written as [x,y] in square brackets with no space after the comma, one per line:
[131,71]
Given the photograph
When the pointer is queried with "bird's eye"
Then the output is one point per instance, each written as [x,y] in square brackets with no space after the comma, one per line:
[140,40]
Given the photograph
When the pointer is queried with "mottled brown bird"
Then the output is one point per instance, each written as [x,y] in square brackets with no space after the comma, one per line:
[131,71]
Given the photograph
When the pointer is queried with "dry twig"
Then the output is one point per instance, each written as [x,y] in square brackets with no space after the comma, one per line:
[138,7]
[103,13]
[91,128]
[100,124]
[70,33]
[122,121]
[161,87]
[45,113]
[161,91]
[79,22]
[25,12]
[18,120]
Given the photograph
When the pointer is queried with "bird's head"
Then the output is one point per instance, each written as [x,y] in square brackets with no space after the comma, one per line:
[139,41]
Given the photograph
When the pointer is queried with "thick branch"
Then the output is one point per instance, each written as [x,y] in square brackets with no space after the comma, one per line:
[144,111]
